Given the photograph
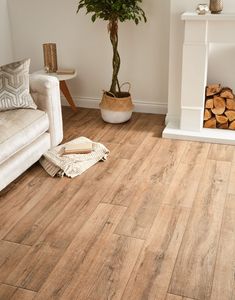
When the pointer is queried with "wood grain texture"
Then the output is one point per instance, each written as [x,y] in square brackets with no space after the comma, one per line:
[163,164]
[20,184]
[152,272]
[126,185]
[221,152]
[136,136]
[194,269]
[224,282]
[117,133]
[8,292]
[32,272]
[156,166]
[11,255]
[150,223]
[114,266]
[175,297]
[113,262]
[139,217]
[73,127]
[29,228]
[231,186]
[96,250]
[195,153]
[140,129]
[187,177]
[19,206]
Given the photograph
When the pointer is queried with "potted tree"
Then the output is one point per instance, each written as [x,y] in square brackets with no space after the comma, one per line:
[116,105]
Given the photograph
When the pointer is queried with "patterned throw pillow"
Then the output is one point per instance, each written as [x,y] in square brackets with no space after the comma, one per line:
[14,86]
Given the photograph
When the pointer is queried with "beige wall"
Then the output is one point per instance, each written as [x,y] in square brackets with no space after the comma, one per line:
[86,47]
[5,34]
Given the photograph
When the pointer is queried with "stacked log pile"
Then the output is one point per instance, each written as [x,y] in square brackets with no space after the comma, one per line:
[219,108]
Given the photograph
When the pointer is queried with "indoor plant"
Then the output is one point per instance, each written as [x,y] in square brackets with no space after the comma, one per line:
[116,106]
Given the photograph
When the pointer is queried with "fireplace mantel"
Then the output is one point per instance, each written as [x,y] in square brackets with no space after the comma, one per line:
[190,16]
[200,31]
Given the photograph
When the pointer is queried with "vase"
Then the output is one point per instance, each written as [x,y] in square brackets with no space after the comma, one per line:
[216,6]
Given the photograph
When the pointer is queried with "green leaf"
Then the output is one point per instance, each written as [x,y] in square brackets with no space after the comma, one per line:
[120,10]
[93,18]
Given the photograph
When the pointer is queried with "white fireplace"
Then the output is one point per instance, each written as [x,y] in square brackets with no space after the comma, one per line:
[200,32]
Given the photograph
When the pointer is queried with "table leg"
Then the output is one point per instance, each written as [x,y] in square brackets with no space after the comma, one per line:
[65,91]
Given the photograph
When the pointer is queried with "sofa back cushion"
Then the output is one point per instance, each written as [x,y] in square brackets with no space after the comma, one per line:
[14,86]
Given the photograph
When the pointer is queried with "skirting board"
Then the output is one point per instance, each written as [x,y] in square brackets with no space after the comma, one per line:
[140,106]
[216,136]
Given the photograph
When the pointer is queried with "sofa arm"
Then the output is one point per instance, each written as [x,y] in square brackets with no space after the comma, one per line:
[45,91]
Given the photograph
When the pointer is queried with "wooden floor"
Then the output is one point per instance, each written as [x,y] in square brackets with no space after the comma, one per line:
[156,221]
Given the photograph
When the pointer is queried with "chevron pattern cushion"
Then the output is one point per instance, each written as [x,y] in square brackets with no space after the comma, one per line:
[14,86]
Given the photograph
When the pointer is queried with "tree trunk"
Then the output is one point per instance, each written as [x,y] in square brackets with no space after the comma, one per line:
[113,30]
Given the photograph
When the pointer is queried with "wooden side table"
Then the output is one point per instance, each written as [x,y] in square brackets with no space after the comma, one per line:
[63,86]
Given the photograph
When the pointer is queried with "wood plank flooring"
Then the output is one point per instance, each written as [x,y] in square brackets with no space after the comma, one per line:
[156,221]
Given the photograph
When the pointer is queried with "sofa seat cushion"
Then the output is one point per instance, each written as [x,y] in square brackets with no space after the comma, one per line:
[19,128]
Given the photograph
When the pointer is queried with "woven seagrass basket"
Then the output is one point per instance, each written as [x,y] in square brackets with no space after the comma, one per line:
[116,109]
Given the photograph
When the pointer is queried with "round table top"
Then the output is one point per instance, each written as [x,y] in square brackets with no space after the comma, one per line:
[60,77]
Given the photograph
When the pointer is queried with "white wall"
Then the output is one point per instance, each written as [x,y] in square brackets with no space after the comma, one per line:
[221,67]
[85,46]
[5,35]
[216,74]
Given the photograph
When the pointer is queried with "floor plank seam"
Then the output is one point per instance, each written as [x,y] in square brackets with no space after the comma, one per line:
[191,210]
[128,236]
[207,157]
[132,271]
[66,249]
[18,221]
[182,296]
[114,204]
[186,226]
[18,287]
[220,233]
[5,240]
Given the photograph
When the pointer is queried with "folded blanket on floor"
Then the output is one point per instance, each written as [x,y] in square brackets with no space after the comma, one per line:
[72,165]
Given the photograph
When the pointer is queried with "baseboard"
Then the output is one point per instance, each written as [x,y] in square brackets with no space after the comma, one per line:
[140,106]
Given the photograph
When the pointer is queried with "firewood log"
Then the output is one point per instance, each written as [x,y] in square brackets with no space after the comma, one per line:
[210,123]
[232,125]
[230,104]
[223,126]
[230,114]
[219,104]
[213,89]
[227,93]
[221,119]
[207,114]
[210,103]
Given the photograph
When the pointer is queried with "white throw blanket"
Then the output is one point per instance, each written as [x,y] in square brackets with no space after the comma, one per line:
[72,165]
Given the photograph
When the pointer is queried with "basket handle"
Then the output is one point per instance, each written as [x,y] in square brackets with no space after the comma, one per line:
[126,83]
[105,92]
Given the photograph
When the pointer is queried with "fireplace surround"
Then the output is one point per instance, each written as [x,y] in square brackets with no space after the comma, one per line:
[200,32]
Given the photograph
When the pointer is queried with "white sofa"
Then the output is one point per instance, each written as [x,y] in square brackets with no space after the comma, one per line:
[26,134]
